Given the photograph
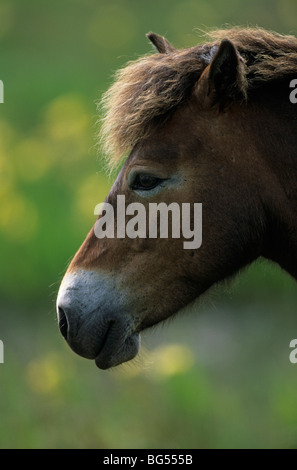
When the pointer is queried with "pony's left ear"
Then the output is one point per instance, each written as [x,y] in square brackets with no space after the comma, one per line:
[224,79]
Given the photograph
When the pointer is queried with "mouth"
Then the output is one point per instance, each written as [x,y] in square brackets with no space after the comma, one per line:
[116,348]
[95,320]
[109,342]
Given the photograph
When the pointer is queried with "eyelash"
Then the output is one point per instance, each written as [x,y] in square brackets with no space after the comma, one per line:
[140,186]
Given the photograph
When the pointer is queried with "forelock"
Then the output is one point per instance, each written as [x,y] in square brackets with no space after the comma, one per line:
[147,91]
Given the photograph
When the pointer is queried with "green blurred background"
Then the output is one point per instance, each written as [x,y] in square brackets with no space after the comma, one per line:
[217,376]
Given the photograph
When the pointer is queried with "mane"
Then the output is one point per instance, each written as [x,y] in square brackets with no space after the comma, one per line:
[146,91]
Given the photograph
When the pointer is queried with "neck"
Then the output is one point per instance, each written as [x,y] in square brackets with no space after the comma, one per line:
[275,128]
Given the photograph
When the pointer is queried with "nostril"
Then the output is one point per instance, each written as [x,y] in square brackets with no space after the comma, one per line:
[63,323]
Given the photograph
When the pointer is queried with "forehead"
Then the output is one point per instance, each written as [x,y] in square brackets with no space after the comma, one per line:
[166,142]
[155,151]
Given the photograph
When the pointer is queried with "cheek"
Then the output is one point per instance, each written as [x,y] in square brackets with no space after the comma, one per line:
[153,271]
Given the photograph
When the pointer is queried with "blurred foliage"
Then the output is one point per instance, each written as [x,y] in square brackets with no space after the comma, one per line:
[56,60]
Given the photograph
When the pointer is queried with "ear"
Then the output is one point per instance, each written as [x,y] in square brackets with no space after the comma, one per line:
[161,44]
[224,79]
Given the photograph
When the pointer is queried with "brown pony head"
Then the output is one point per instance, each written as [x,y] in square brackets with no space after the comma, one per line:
[196,125]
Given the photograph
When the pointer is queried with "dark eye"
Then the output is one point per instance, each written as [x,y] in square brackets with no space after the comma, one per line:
[145,182]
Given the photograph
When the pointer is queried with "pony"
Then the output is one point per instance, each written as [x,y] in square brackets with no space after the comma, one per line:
[211,124]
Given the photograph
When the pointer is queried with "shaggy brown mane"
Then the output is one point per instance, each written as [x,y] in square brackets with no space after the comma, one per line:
[147,90]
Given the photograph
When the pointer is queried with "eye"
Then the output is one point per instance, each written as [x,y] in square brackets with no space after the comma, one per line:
[145,182]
